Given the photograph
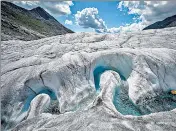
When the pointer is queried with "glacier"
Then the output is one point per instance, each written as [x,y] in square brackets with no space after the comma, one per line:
[89,81]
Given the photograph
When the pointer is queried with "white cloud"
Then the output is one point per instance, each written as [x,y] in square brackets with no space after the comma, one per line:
[134,27]
[68,22]
[61,8]
[56,8]
[89,18]
[150,11]
[28,4]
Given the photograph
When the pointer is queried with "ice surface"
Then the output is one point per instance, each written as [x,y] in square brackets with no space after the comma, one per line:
[86,81]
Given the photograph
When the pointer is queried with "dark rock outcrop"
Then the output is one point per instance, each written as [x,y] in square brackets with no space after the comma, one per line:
[168,22]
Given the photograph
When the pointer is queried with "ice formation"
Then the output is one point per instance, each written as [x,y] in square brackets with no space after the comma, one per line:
[86,81]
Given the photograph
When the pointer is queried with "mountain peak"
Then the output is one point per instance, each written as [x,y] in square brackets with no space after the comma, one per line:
[40,12]
[38,8]
[23,24]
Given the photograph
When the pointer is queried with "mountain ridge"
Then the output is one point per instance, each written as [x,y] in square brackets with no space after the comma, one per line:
[40,12]
[168,22]
[22,24]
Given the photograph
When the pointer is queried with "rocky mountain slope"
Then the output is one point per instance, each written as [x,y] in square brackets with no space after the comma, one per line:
[86,81]
[168,22]
[19,23]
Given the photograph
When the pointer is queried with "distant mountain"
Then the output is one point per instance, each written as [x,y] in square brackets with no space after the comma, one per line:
[23,24]
[168,22]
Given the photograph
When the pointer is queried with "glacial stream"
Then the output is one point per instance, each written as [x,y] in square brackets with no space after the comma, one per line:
[44,90]
[163,101]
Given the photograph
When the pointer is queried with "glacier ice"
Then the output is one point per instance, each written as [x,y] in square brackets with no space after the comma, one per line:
[87,81]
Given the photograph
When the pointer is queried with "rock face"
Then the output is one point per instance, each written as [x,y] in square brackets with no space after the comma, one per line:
[168,22]
[22,24]
[94,81]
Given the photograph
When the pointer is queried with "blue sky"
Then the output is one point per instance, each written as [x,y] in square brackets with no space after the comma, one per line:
[107,11]
[106,17]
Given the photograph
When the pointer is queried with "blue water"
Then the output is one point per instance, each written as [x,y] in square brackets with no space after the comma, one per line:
[121,99]
[45,90]
[124,104]
[162,102]
[99,70]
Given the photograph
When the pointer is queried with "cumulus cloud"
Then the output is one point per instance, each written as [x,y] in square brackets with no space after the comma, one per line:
[56,8]
[134,27]
[68,22]
[150,11]
[89,18]
[62,8]
[28,4]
